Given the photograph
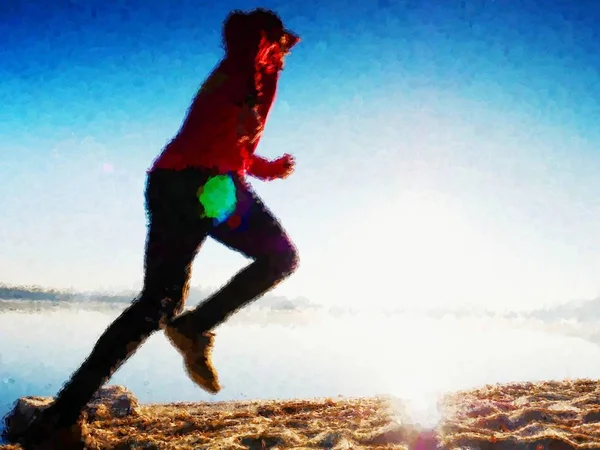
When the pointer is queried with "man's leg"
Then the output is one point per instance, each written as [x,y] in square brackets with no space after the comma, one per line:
[172,243]
[255,232]
[122,338]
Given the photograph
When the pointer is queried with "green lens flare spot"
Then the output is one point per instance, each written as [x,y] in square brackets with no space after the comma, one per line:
[218,198]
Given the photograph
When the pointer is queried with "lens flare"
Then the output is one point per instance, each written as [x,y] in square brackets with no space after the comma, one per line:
[218,198]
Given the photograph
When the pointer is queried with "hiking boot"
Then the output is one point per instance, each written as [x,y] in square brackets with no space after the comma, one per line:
[196,350]
[42,433]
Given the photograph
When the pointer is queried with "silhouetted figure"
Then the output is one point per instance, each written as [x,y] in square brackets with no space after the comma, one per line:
[196,188]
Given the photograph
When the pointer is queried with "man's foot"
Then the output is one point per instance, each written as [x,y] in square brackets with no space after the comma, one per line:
[196,350]
[43,433]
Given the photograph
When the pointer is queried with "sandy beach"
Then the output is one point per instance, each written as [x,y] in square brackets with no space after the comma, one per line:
[551,415]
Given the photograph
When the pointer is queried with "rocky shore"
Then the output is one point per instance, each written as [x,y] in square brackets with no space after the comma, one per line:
[553,415]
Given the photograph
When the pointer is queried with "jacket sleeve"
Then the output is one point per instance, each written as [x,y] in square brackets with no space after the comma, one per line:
[262,168]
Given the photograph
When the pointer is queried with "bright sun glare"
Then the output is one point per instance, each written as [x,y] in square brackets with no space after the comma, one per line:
[420,248]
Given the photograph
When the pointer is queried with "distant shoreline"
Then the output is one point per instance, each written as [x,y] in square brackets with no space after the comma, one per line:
[254,314]
[28,305]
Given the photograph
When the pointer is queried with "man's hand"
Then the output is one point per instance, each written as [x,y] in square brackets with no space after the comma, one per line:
[283,167]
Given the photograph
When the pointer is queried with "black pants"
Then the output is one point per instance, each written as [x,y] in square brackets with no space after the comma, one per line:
[176,230]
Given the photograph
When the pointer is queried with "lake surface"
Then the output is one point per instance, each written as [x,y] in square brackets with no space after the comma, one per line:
[263,355]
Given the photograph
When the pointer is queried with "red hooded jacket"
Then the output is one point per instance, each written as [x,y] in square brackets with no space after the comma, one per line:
[209,137]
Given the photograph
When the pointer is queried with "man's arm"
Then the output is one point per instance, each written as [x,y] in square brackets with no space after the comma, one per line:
[260,168]
[250,126]
[267,170]
[249,130]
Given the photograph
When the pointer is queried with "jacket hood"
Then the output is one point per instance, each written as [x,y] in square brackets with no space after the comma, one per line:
[257,37]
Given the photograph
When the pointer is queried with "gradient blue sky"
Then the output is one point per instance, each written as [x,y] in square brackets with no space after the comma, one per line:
[447,152]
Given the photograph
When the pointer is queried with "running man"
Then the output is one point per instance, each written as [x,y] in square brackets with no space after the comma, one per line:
[196,188]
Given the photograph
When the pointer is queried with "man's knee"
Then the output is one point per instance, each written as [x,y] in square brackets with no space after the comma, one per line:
[286,261]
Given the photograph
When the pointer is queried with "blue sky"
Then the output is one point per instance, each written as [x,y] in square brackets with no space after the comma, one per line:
[447,152]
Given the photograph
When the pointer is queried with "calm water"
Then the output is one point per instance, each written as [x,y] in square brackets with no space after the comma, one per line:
[267,355]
